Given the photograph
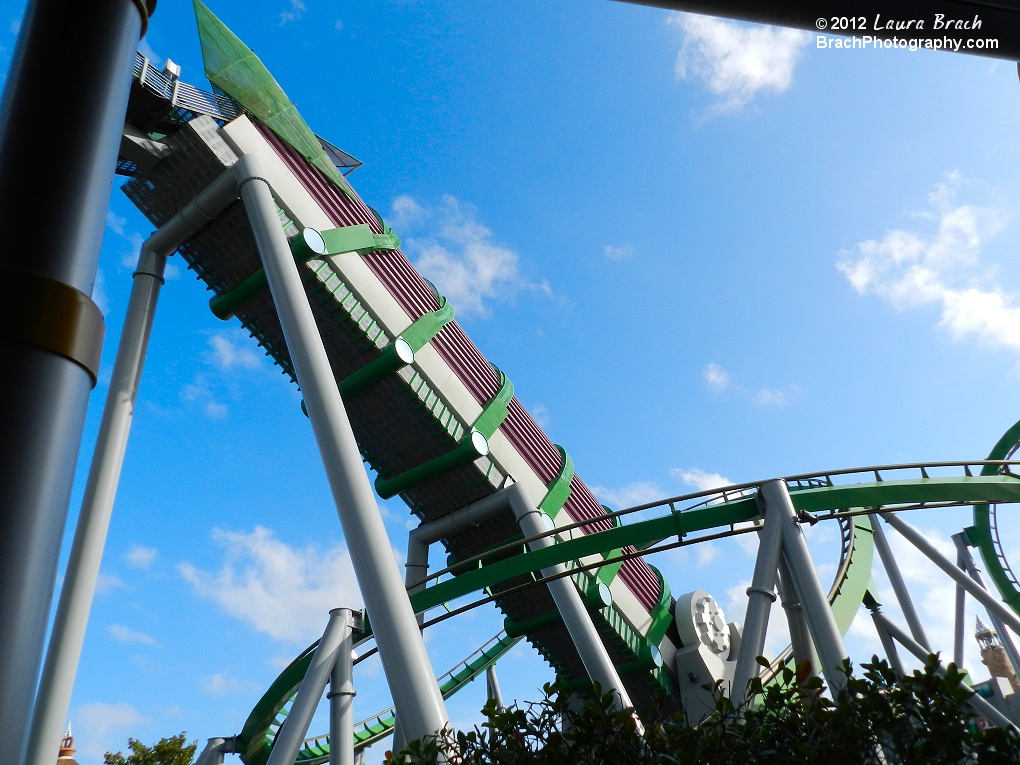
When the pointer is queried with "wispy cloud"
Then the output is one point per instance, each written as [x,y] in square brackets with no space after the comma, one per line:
[631,495]
[294,13]
[735,60]
[459,255]
[282,591]
[700,479]
[128,635]
[102,727]
[618,252]
[199,392]
[222,684]
[228,350]
[141,557]
[718,379]
[942,267]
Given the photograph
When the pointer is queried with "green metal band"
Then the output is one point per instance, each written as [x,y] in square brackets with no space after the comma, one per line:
[359,239]
[980,534]
[559,487]
[661,617]
[48,314]
[497,408]
[389,361]
[427,326]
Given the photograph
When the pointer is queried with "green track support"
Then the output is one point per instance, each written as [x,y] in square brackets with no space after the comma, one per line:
[980,534]
[559,487]
[309,244]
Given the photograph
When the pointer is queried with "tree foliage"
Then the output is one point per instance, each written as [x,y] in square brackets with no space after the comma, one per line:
[882,719]
[166,751]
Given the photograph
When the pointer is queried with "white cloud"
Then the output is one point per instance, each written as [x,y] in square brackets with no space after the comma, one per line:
[618,252]
[128,635]
[707,552]
[199,392]
[631,495]
[108,583]
[406,212]
[338,26]
[700,479]
[226,353]
[941,268]
[281,591]
[460,257]
[104,727]
[141,557]
[736,61]
[766,397]
[294,13]
[147,50]
[99,296]
[716,377]
[222,684]
[540,414]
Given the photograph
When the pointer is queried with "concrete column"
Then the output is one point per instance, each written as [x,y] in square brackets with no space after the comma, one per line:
[52,330]
[419,703]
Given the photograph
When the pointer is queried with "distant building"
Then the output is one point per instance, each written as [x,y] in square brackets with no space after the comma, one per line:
[1001,689]
[66,755]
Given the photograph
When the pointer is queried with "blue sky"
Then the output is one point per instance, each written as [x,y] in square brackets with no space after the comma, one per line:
[701,250]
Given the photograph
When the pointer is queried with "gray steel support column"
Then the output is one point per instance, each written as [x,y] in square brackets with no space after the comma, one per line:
[971,567]
[888,644]
[213,752]
[416,567]
[896,580]
[416,695]
[52,229]
[492,692]
[960,612]
[64,650]
[979,593]
[800,635]
[341,700]
[313,685]
[578,622]
[981,706]
[760,597]
[824,632]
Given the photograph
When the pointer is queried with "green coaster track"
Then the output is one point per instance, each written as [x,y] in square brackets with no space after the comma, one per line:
[847,496]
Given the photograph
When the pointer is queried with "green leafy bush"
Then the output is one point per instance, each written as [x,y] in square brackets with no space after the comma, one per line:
[883,718]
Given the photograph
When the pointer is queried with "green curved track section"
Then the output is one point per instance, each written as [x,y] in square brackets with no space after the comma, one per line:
[983,533]
[259,732]
[851,582]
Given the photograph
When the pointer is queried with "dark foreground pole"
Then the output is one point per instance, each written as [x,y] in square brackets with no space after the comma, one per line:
[61,118]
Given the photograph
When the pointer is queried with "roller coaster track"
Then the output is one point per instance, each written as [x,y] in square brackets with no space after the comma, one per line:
[419,423]
[985,532]
[835,495]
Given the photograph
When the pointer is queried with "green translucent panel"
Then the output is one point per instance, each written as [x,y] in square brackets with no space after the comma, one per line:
[232,67]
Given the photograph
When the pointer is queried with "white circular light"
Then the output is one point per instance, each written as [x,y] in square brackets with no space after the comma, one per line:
[403,350]
[478,441]
[314,241]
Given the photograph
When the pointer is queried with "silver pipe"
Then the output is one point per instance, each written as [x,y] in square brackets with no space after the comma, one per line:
[980,705]
[978,592]
[213,752]
[971,567]
[419,703]
[341,701]
[896,580]
[760,597]
[75,603]
[960,613]
[800,636]
[585,637]
[888,644]
[54,230]
[492,692]
[291,736]
[824,632]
